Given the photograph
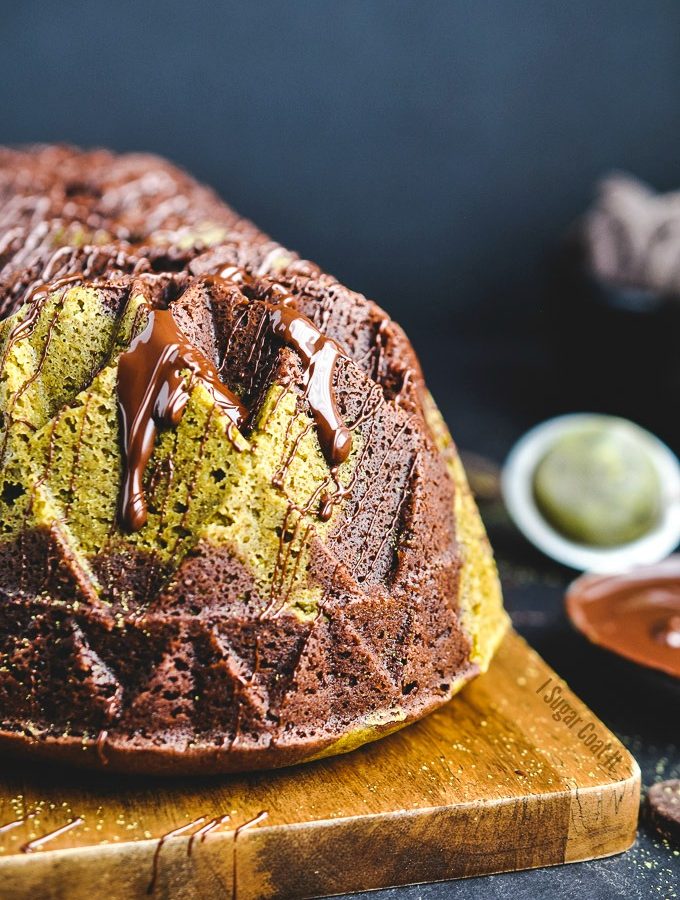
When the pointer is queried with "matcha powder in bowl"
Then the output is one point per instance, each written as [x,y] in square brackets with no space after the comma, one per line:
[595,492]
[599,486]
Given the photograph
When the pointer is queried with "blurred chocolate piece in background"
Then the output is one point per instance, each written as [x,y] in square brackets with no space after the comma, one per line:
[632,238]
[614,307]
[663,808]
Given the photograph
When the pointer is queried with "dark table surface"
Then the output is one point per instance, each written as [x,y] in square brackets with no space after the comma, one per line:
[490,392]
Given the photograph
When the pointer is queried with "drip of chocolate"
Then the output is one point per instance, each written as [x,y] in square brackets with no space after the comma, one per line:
[636,615]
[153,390]
[100,746]
[175,832]
[205,830]
[16,823]
[319,355]
[35,844]
[237,834]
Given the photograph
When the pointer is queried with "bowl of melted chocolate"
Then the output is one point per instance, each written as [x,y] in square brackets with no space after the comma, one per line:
[635,615]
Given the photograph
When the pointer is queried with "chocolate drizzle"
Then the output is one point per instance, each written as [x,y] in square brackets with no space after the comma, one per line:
[319,355]
[100,746]
[16,823]
[32,846]
[237,834]
[36,298]
[205,830]
[175,832]
[154,388]
[155,379]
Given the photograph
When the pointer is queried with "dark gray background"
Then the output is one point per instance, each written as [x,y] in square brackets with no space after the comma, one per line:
[427,153]
[430,154]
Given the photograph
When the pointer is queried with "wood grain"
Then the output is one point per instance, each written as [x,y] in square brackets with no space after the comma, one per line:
[492,782]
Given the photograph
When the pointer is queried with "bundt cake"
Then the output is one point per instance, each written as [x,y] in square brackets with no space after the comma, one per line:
[234,530]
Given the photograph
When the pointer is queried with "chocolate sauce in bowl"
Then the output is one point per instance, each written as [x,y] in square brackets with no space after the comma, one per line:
[636,615]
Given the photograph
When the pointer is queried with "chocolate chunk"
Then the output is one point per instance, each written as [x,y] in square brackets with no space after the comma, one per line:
[663,808]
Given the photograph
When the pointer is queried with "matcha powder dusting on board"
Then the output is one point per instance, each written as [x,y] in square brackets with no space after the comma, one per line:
[598,485]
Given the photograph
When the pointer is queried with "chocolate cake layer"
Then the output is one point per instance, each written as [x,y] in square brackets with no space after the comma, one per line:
[234,531]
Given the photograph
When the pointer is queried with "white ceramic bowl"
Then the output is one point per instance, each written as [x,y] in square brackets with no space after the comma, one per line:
[518,493]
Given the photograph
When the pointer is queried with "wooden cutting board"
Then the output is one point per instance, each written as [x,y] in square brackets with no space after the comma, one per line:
[493,782]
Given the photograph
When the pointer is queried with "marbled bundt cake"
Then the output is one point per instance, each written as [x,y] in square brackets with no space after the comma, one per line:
[234,531]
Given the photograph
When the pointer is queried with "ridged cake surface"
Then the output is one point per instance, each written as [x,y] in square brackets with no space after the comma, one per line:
[234,530]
